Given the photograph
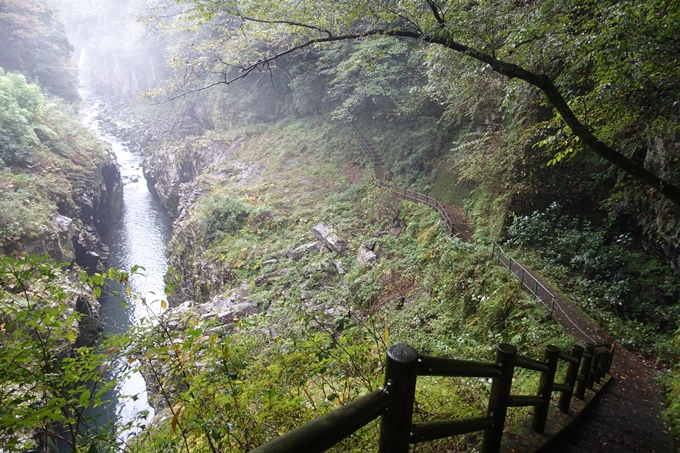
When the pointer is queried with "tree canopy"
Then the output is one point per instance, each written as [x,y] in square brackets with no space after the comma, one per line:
[35,44]
[607,70]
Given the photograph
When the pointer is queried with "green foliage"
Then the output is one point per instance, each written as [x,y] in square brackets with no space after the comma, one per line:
[321,337]
[631,294]
[21,108]
[222,214]
[23,211]
[48,381]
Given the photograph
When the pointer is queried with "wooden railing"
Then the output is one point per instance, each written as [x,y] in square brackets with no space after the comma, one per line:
[527,280]
[395,402]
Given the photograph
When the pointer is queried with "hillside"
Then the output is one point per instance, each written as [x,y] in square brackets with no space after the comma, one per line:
[552,128]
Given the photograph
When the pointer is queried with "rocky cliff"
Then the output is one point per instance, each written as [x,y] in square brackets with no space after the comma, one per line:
[87,205]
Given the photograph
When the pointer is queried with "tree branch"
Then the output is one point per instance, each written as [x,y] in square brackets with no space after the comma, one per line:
[541,81]
[436,11]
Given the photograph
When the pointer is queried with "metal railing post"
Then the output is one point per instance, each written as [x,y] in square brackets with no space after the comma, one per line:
[570,378]
[550,356]
[400,382]
[506,355]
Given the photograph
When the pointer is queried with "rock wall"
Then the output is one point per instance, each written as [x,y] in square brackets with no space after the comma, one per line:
[89,203]
[112,72]
[168,168]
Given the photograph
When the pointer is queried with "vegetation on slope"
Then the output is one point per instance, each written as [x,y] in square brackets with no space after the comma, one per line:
[273,164]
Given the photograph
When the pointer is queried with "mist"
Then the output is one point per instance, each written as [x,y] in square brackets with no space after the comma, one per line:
[117,54]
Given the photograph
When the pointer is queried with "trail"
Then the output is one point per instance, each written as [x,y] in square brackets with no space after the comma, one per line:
[628,418]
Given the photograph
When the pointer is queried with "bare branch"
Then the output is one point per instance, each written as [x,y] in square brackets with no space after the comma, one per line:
[436,11]
[260,65]
[287,22]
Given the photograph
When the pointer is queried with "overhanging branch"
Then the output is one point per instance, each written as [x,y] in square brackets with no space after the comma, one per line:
[441,37]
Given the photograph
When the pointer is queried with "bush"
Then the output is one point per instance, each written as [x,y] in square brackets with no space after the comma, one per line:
[21,107]
[222,214]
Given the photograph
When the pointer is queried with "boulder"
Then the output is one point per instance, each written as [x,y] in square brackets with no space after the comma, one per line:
[338,267]
[328,238]
[227,310]
[296,253]
[264,278]
[365,256]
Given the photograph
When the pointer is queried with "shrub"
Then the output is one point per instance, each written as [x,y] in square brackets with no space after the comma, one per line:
[222,214]
[21,106]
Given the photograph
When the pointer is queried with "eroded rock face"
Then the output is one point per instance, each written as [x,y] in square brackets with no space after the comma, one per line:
[91,325]
[167,168]
[200,277]
[87,203]
[100,200]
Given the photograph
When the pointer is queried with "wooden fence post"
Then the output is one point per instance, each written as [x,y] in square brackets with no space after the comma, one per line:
[594,367]
[585,371]
[401,371]
[610,358]
[506,355]
[570,378]
[550,356]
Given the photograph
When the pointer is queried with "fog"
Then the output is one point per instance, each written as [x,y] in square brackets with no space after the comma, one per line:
[117,54]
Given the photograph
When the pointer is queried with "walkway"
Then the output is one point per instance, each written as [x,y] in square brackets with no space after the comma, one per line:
[628,417]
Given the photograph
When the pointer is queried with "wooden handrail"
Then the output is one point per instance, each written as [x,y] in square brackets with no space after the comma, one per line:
[395,401]
[402,191]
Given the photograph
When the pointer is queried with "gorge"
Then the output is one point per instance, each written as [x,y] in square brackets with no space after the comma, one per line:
[275,272]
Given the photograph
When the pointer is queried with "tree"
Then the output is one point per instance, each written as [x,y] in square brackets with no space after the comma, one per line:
[35,44]
[48,380]
[591,61]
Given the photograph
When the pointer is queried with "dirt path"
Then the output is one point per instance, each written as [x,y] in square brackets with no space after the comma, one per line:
[628,417]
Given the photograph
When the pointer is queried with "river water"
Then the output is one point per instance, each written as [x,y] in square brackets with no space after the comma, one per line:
[139,238]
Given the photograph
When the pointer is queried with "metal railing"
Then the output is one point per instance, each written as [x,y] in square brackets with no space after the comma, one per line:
[407,194]
[526,278]
[395,402]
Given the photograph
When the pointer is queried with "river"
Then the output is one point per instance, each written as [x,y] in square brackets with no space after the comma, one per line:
[139,238]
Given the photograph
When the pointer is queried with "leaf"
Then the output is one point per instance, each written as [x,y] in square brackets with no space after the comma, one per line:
[386,335]
[164,304]
[178,409]
[71,336]
[85,398]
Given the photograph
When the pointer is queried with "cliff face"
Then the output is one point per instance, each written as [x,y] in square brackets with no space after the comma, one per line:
[109,72]
[166,169]
[60,208]
[93,203]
